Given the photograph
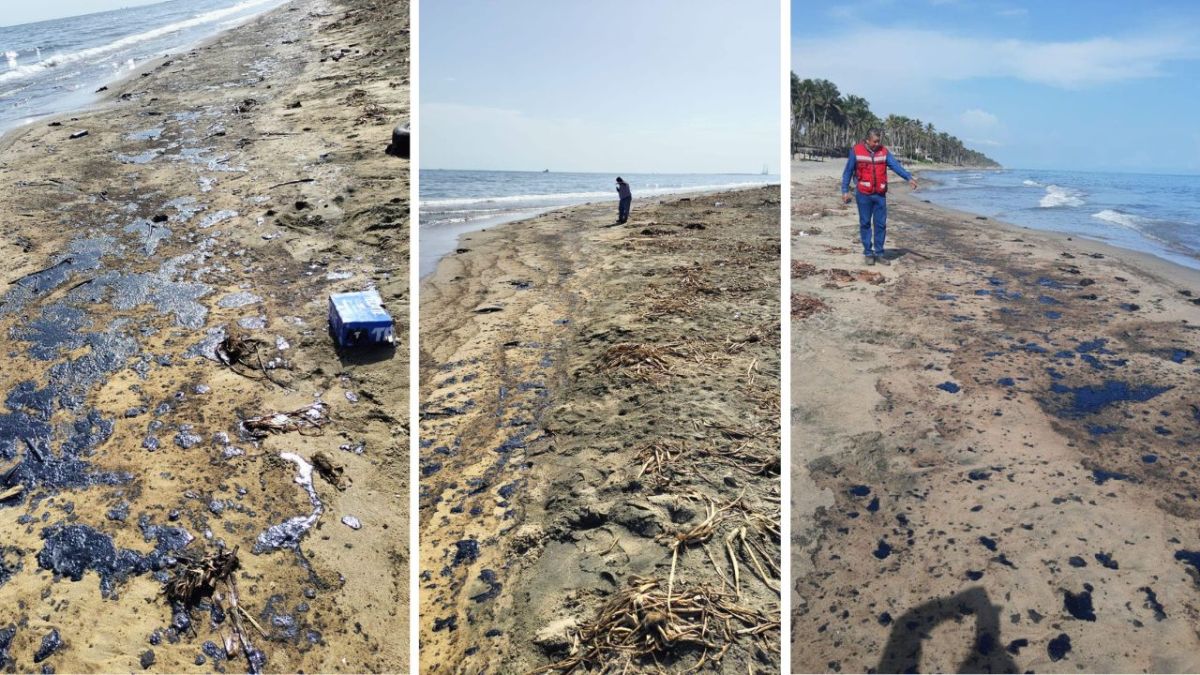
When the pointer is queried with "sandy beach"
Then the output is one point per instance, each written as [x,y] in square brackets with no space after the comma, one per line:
[220,193]
[992,446]
[599,404]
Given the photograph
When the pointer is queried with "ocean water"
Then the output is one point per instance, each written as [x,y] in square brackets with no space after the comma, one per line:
[56,66]
[1156,214]
[456,202]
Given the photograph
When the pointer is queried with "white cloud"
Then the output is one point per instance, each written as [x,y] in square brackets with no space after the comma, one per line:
[978,119]
[929,57]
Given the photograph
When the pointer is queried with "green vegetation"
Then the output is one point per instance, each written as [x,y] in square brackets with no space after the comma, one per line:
[826,123]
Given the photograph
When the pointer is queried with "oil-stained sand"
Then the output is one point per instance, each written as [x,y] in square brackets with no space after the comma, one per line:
[993,447]
[592,397]
[230,188]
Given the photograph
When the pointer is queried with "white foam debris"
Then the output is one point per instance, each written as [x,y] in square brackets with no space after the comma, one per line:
[288,533]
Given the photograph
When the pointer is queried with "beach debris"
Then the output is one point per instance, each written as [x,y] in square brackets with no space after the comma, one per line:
[803,270]
[332,472]
[839,276]
[359,319]
[291,182]
[79,134]
[352,522]
[196,578]
[236,349]
[308,421]
[289,533]
[400,142]
[241,355]
[804,306]
[661,462]
[638,361]
[245,106]
[641,622]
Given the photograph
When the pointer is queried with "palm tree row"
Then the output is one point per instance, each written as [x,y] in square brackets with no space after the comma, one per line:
[826,123]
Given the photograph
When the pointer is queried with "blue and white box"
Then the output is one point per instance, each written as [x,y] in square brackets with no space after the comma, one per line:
[359,319]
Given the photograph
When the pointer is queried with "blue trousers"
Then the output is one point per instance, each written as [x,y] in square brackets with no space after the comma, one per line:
[623,209]
[872,209]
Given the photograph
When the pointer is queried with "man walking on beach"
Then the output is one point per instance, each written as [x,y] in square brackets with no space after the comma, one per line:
[870,161]
[626,198]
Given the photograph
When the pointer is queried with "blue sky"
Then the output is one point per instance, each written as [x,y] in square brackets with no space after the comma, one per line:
[18,12]
[666,86]
[1104,85]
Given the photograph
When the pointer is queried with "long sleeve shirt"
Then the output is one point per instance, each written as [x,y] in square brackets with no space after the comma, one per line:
[623,191]
[851,163]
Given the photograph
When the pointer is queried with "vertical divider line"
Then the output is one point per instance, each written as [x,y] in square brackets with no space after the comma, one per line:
[414,337]
[785,336]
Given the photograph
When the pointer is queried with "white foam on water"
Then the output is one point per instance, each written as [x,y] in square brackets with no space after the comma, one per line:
[18,72]
[1031,183]
[1057,196]
[1123,219]
[574,196]
[11,57]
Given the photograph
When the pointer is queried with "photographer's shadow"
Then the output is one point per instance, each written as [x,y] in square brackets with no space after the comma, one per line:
[910,632]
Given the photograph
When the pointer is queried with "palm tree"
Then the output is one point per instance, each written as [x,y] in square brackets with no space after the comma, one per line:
[829,123]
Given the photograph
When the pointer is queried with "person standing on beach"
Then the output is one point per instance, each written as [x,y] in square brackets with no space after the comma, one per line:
[870,161]
[626,198]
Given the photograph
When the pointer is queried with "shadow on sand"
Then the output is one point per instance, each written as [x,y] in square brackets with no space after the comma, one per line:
[910,631]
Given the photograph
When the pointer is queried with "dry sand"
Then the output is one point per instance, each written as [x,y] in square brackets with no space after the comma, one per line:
[130,252]
[993,447]
[588,392]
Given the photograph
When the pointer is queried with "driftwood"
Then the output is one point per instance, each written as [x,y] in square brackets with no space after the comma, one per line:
[198,577]
[240,354]
[308,420]
[643,621]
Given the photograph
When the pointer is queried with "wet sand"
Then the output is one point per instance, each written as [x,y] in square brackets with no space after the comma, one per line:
[589,392]
[230,188]
[993,447]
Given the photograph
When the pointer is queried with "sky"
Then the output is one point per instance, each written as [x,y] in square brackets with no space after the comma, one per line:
[18,11]
[1101,85]
[688,86]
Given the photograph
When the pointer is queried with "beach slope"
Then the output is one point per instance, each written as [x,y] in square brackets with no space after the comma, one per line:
[599,410]
[166,285]
[993,447]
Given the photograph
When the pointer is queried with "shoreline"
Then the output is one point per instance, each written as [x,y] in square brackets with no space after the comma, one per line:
[1161,268]
[450,242]
[1190,269]
[118,85]
[968,454]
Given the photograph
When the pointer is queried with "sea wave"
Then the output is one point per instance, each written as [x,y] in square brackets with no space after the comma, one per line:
[20,72]
[1149,228]
[431,204]
[1057,196]
[1031,183]
[1118,218]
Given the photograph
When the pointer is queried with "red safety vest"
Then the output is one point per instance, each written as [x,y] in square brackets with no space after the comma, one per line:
[872,169]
